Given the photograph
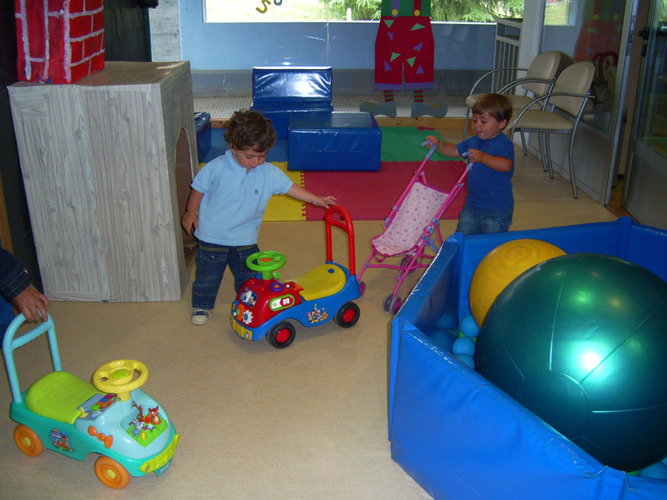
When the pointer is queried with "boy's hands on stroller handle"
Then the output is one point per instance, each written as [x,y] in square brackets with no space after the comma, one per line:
[465,157]
[432,150]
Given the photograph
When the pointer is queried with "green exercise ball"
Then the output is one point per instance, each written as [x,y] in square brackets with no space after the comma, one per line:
[581,341]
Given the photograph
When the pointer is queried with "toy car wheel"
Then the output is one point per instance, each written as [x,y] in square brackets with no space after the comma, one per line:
[111,473]
[348,315]
[28,441]
[281,335]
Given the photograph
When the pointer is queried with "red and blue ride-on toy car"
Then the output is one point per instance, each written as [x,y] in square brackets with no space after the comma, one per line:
[265,305]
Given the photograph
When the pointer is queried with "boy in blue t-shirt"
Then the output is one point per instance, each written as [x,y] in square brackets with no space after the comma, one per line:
[227,203]
[489,203]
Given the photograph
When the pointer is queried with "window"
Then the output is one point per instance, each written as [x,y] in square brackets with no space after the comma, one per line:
[589,30]
[557,13]
[247,11]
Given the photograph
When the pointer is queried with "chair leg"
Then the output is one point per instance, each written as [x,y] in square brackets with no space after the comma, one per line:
[465,127]
[548,149]
[543,152]
[523,144]
[570,159]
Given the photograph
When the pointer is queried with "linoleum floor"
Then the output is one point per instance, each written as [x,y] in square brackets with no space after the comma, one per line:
[306,422]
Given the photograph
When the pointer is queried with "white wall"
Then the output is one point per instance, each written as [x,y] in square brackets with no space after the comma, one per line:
[165,31]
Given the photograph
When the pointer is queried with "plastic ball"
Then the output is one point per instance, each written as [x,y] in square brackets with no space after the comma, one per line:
[446,322]
[469,327]
[656,471]
[581,340]
[464,345]
[441,338]
[500,267]
[467,360]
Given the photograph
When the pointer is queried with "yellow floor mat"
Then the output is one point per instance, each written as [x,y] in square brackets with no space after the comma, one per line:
[282,207]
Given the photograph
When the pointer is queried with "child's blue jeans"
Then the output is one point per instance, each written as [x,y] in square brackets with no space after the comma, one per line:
[211,263]
[475,221]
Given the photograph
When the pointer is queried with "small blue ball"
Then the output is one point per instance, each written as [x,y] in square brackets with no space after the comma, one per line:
[442,339]
[446,322]
[656,471]
[469,327]
[467,360]
[464,345]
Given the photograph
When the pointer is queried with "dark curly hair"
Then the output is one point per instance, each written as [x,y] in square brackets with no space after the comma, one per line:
[250,129]
[496,105]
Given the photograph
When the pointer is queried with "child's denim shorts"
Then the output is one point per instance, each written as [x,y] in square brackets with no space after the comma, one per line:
[476,221]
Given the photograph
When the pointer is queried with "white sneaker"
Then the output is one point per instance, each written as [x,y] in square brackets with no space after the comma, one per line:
[200,316]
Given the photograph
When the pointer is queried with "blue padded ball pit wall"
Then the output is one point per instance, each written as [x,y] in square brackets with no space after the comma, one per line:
[457,434]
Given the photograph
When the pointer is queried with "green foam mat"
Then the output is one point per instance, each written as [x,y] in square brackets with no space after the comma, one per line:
[404,144]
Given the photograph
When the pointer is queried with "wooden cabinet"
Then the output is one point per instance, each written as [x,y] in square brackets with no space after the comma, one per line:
[107,163]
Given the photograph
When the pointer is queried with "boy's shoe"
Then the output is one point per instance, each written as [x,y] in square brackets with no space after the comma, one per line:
[200,316]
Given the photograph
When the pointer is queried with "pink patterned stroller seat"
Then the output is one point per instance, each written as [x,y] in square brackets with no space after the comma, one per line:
[419,208]
[412,230]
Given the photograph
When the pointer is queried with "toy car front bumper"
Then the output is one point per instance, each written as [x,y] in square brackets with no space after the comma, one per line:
[241,331]
[161,462]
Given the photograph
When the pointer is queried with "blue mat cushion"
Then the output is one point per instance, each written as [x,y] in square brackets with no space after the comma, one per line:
[280,91]
[334,141]
[203,131]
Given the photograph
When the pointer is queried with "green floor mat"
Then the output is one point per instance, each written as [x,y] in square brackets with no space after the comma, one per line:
[404,144]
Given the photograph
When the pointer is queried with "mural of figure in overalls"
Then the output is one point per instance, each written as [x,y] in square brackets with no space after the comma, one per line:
[404,51]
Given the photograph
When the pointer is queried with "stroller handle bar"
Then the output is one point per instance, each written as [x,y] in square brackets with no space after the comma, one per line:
[431,151]
[433,148]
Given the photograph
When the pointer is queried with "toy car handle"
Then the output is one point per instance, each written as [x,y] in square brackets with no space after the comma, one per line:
[265,262]
[9,344]
[117,377]
[344,223]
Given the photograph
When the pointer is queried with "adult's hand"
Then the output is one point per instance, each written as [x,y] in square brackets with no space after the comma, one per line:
[32,303]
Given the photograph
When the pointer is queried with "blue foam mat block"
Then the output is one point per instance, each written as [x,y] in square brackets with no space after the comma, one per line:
[278,91]
[278,153]
[457,434]
[334,141]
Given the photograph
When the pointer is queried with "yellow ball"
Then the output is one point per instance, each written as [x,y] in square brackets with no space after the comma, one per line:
[500,267]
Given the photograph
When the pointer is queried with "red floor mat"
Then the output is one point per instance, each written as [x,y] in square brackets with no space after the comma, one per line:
[371,195]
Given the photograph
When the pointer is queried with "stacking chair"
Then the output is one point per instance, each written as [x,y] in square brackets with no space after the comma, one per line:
[562,110]
[539,78]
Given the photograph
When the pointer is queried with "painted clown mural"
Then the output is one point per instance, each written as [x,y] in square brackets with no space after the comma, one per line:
[404,54]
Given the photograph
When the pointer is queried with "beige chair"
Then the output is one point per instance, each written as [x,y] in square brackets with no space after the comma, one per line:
[563,109]
[538,80]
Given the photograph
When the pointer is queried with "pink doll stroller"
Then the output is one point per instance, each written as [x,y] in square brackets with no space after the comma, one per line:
[412,227]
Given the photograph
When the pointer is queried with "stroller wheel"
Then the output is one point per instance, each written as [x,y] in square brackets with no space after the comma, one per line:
[392,306]
[362,288]
[405,262]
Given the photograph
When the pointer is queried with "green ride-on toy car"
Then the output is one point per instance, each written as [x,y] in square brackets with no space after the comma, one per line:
[112,417]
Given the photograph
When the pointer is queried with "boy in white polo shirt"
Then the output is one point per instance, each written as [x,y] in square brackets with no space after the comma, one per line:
[227,203]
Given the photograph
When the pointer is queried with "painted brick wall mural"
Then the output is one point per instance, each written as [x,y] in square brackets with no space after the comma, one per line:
[59,41]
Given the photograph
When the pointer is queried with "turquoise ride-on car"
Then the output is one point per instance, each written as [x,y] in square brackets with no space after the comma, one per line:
[265,305]
[112,417]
